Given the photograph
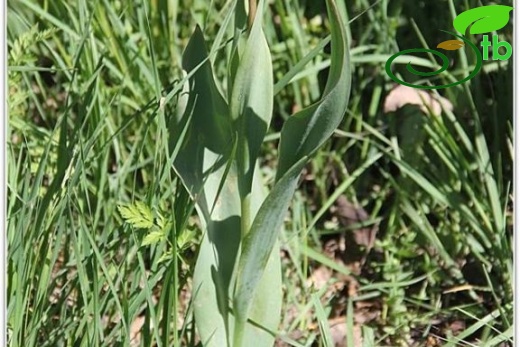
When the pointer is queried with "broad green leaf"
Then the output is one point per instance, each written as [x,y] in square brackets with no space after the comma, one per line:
[485,19]
[201,163]
[302,134]
[238,43]
[259,244]
[308,129]
[218,251]
[206,167]
[211,122]
[251,103]
[216,259]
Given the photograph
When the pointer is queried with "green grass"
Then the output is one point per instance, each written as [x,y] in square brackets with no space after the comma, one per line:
[91,88]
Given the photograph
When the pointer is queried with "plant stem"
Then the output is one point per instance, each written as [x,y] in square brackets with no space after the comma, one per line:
[252,12]
[246,215]
[245,223]
[239,334]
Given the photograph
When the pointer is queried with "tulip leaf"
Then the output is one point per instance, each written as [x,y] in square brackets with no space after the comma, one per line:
[206,166]
[213,275]
[307,130]
[251,102]
[302,134]
[259,244]
[484,19]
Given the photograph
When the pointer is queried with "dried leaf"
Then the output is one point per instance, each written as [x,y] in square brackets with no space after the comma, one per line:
[349,214]
[358,242]
[402,95]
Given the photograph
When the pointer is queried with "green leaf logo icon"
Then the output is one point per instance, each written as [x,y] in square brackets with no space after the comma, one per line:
[485,19]
[451,45]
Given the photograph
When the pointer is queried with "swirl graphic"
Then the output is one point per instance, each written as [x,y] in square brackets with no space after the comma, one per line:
[445,65]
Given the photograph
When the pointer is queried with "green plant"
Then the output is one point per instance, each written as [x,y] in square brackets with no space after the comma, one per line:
[237,280]
[157,228]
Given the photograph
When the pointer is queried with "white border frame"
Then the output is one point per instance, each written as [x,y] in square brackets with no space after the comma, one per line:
[3,171]
[3,174]
[516,171]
